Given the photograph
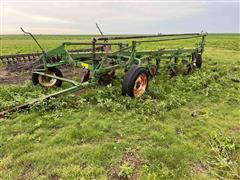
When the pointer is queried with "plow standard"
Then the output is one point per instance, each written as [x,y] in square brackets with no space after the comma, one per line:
[105,55]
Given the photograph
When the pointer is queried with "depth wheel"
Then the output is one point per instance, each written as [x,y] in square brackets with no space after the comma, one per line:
[47,81]
[197,60]
[172,70]
[135,81]
[188,68]
[106,78]
[152,70]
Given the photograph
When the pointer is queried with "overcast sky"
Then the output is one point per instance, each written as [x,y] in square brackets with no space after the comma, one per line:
[75,17]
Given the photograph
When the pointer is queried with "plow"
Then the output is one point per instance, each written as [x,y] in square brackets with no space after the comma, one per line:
[104,56]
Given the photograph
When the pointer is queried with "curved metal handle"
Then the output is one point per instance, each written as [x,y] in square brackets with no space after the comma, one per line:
[33,39]
[23,31]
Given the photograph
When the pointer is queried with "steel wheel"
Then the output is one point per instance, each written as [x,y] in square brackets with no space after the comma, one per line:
[188,68]
[172,70]
[47,81]
[140,85]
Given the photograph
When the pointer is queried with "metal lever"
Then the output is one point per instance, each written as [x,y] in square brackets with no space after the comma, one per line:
[99,29]
[33,39]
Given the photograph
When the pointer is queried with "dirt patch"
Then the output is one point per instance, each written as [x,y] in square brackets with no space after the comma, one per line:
[54,177]
[7,77]
[235,129]
[23,66]
[28,169]
[179,131]
[132,160]
[17,73]
[3,73]
[199,168]
[15,76]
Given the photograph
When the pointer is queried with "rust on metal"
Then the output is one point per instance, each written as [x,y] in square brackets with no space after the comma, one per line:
[142,36]
[140,85]
[13,109]
[94,56]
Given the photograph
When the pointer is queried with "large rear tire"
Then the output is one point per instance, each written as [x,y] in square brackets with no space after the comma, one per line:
[135,81]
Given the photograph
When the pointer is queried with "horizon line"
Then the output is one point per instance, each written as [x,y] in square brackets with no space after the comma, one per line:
[119,33]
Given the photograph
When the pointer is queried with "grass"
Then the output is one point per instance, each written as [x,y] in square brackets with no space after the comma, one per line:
[186,127]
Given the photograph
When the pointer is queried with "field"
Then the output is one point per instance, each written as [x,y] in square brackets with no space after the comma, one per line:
[186,127]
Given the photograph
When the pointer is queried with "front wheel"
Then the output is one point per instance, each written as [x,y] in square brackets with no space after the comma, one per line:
[135,81]
[47,81]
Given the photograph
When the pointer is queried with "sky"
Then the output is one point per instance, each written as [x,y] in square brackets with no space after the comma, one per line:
[119,17]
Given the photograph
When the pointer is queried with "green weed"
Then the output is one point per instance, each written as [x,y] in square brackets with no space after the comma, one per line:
[222,158]
[125,170]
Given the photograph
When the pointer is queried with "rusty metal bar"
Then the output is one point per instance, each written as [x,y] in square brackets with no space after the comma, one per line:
[94,56]
[90,43]
[142,36]
[99,29]
[169,39]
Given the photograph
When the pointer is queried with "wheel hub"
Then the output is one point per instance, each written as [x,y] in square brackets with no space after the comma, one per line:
[47,81]
[140,85]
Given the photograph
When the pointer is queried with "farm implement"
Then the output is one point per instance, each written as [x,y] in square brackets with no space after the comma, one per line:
[106,54]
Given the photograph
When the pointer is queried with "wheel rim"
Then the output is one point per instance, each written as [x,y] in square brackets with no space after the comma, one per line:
[140,85]
[47,81]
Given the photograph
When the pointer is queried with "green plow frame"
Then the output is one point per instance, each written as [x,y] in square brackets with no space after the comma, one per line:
[100,60]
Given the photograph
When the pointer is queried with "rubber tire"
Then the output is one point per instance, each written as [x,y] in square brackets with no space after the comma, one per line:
[35,76]
[130,78]
[55,70]
[198,58]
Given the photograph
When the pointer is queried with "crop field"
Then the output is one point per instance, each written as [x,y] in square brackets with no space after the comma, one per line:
[185,127]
